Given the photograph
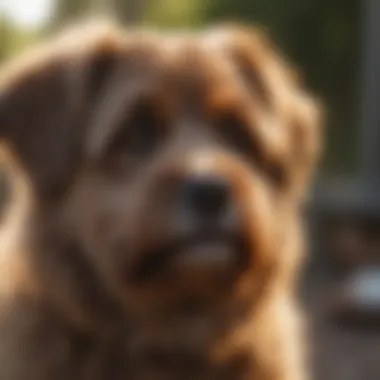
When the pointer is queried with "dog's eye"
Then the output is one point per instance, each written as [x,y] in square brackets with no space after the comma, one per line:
[235,133]
[277,174]
[141,134]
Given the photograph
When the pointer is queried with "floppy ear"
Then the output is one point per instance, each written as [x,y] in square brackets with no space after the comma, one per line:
[278,91]
[45,97]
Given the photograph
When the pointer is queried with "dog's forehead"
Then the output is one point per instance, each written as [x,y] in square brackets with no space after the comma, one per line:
[188,71]
[189,67]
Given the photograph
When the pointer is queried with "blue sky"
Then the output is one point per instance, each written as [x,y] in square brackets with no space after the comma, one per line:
[28,13]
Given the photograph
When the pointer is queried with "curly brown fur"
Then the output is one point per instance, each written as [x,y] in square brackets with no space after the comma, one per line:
[102,273]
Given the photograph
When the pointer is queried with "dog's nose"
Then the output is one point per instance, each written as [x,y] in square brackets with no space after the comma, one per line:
[206,196]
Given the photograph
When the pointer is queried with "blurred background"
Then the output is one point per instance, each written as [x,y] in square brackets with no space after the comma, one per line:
[336,45]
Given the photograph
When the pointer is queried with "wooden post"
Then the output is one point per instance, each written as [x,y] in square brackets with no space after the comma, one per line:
[369,153]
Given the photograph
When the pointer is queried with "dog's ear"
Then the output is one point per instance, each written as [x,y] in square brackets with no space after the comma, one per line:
[277,90]
[45,97]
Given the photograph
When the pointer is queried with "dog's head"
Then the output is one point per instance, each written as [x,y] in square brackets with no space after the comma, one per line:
[177,164]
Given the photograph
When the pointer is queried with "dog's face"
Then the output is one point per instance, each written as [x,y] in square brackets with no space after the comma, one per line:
[177,164]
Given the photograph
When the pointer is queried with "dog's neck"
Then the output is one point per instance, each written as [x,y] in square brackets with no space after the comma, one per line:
[201,346]
[209,345]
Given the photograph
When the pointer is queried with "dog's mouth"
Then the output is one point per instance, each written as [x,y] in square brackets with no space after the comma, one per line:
[207,251]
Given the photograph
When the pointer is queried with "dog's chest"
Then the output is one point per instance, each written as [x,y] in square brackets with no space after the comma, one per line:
[117,361]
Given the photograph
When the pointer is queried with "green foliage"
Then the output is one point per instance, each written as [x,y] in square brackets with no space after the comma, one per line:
[14,38]
[174,13]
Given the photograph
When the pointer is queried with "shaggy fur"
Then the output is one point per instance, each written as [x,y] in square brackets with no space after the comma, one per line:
[102,127]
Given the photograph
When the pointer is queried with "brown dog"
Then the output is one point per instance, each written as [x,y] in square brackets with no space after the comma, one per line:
[155,232]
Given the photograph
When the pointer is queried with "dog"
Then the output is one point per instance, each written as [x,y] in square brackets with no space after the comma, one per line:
[155,226]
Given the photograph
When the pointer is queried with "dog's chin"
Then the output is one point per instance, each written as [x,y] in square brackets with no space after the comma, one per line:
[206,254]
